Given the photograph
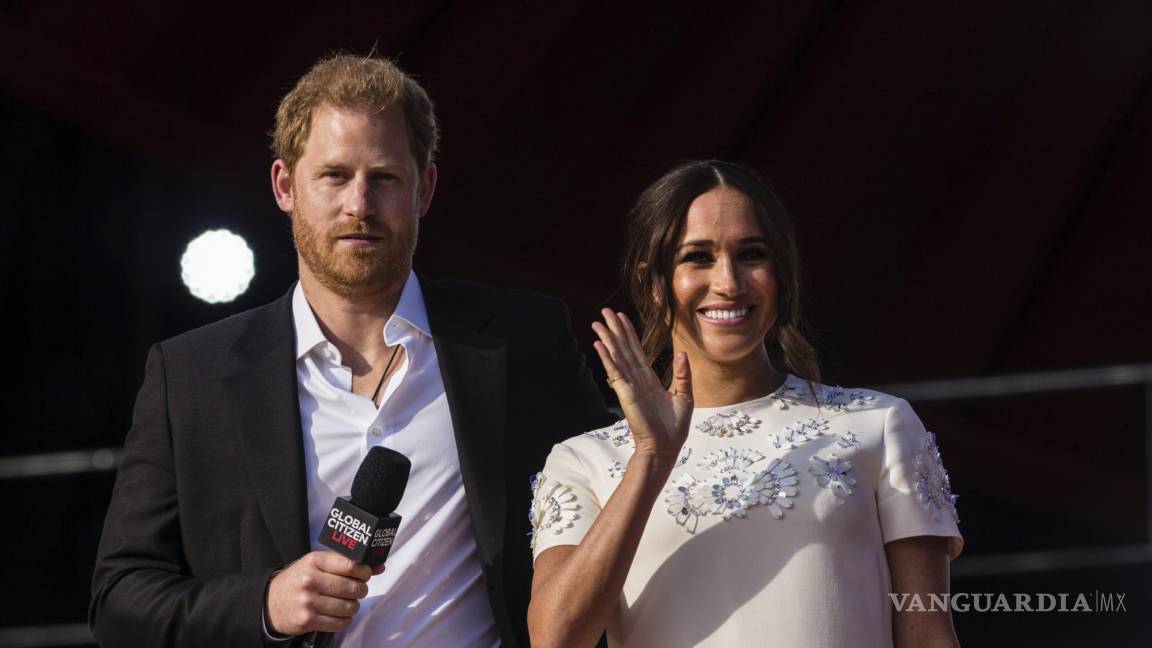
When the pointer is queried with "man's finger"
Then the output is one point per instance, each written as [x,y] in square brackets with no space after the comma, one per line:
[333,563]
[326,623]
[344,587]
[336,607]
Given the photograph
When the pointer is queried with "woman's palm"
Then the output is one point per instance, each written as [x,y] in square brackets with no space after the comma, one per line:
[659,418]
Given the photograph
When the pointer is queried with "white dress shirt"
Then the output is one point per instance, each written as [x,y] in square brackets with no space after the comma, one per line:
[432,591]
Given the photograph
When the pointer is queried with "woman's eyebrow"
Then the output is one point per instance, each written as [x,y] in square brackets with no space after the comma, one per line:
[708,243]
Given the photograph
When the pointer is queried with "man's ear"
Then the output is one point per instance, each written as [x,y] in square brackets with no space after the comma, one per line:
[282,186]
[427,187]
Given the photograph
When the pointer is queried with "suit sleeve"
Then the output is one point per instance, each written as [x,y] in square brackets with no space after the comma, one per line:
[143,592]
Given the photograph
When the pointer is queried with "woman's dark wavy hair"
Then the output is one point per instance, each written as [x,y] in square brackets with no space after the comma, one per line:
[655,227]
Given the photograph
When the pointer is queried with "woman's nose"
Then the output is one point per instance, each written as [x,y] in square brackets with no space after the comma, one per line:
[726,278]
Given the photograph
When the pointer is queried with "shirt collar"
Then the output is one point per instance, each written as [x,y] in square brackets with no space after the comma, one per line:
[410,309]
[308,333]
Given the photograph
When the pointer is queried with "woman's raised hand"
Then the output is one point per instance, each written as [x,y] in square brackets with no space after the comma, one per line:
[658,418]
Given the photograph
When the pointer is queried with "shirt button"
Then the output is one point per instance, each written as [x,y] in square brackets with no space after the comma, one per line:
[376,431]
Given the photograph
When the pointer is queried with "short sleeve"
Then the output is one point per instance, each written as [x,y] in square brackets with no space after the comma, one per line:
[564,504]
[914,495]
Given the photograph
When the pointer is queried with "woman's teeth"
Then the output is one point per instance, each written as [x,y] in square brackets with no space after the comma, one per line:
[726,314]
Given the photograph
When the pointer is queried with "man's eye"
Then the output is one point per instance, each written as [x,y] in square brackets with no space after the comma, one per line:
[339,175]
[384,177]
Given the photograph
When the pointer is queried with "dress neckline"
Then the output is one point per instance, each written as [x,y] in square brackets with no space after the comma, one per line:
[789,380]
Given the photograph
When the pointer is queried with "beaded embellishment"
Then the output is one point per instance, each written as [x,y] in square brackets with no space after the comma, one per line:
[685,453]
[838,400]
[933,487]
[848,440]
[790,394]
[554,507]
[800,432]
[731,487]
[682,503]
[619,434]
[728,424]
[832,473]
[616,470]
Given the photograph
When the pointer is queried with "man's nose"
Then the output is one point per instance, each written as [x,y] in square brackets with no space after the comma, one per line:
[358,198]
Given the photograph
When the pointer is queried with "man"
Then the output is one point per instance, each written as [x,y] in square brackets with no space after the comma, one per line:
[246,430]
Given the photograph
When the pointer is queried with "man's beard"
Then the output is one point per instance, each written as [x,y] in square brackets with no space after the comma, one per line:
[355,272]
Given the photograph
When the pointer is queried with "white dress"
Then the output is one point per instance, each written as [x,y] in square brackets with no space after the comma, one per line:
[771,528]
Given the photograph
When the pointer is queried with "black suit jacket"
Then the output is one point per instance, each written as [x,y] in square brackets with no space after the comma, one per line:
[211,496]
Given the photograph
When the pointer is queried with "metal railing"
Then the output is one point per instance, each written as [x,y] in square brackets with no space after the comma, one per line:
[1046,382]
[101,460]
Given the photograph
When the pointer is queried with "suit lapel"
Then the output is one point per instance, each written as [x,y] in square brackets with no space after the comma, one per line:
[267,411]
[473,365]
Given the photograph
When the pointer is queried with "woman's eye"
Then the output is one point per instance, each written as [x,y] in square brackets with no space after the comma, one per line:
[696,257]
[754,254]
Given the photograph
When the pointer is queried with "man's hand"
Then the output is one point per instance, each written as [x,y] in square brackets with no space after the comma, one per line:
[318,593]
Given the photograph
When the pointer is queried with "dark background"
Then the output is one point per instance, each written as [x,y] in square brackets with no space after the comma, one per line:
[969,180]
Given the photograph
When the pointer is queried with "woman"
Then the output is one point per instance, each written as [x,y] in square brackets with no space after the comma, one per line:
[744,503]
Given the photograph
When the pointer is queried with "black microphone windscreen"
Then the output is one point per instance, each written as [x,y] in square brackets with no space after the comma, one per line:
[380,481]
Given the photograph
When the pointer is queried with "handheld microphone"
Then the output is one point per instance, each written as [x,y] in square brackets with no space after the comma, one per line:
[363,525]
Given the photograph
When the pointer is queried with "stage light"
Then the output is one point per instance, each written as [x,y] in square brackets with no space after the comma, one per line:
[217,266]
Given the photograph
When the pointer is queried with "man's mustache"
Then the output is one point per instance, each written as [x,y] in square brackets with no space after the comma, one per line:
[358,230]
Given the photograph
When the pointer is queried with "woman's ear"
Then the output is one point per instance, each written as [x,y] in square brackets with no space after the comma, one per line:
[641,275]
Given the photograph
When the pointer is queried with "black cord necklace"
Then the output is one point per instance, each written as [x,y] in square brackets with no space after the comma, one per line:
[376,392]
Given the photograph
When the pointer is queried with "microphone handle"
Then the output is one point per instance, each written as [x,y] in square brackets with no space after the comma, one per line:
[317,640]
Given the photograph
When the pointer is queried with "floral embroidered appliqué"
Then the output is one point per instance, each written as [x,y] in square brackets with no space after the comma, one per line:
[728,424]
[800,432]
[685,453]
[729,495]
[933,487]
[775,487]
[732,487]
[833,474]
[618,435]
[838,400]
[730,459]
[616,470]
[554,507]
[848,440]
[681,501]
[790,394]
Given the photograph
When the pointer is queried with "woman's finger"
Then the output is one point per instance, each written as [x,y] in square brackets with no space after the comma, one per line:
[632,342]
[611,343]
[623,352]
[612,324]
[616,348]
[681,376]
[609,366]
